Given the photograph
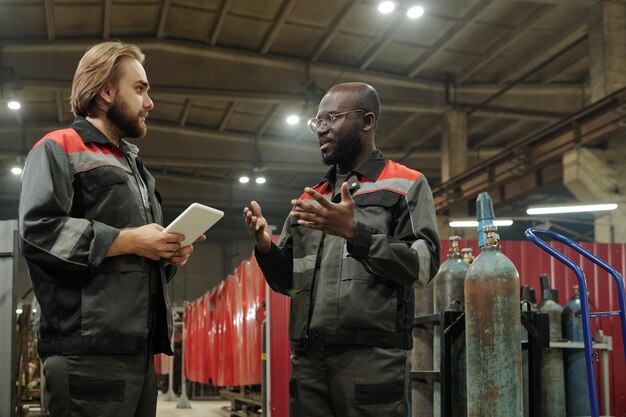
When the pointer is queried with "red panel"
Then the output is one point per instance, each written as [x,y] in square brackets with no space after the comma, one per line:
[279,353]
[531,262]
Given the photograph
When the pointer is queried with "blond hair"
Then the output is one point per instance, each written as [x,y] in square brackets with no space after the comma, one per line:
[99,67]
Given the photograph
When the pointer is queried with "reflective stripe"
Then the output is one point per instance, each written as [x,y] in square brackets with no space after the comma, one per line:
[86,160]
[304,264]
[69,236]
[423,255]
[396,185]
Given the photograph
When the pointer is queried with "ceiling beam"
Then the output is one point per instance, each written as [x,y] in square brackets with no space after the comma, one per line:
[271,61]
[278,98]
[106,20]
[165,10]
[380,43]
[283,14]
[219,24]
[185,114]
[506,41]
[336,27]
[547,51]
[457,29]
[227,115]
[49,19]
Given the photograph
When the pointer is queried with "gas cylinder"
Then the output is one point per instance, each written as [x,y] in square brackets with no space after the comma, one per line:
[576,391]
[448,284]
[492,333]
[528,300]
[552,403]
[468,257]
[422,354]
[448,287]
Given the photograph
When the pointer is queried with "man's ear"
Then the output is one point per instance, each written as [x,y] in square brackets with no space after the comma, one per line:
[107,94]
[369,121]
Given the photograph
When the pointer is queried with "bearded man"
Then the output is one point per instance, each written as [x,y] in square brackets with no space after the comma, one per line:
[90,228]
[349,255]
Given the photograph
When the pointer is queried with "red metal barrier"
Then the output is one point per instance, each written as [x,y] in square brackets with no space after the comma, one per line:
[223,330]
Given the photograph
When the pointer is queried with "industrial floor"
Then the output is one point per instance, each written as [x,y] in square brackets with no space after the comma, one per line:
[208,408]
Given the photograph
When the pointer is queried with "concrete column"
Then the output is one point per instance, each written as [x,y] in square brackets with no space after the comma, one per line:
[594,175]
[453,144]
[607,46]
[453,162]
[599,176]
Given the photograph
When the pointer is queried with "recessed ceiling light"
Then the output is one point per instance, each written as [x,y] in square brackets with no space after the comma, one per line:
[16,171]
[14,105]
[415,12]
[293,119]
[571,209]
[260,180]
[243,179]
[386,7]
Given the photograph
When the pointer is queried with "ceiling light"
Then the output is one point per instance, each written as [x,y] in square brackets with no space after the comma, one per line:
[293,119]
[386,7]
[260,180]
[14,105]
[415,12]
[474,223]
[18,311]
[571,209]
[244,180]
[16,171]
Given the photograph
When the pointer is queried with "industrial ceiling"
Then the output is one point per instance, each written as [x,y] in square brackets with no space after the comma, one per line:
[225,74]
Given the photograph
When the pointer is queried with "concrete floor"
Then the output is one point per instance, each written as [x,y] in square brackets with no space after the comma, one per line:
[207,408]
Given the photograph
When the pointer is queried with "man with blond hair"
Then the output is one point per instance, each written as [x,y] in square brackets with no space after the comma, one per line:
[99,260]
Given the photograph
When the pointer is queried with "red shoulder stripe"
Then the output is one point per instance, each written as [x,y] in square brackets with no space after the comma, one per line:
[71,142]
[395,170]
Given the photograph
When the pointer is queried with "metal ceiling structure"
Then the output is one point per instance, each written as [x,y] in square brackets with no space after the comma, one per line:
[225,74]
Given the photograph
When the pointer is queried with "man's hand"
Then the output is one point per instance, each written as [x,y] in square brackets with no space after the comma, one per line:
[336,219]
[257,225]
[149,241]
[181,255]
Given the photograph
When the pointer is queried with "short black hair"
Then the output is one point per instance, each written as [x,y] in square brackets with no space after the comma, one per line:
[368,100]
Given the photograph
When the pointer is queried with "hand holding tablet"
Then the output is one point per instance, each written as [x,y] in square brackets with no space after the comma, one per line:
[195,220]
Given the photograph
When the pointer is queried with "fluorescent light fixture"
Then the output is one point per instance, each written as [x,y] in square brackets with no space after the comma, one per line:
[293,120]
[474,223]
[386,7]
[571,209]
[14,105]
[244,180]
[16,171]
[415,12]
[260,180]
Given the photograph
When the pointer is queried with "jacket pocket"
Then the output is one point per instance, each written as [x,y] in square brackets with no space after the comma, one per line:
[365,301]
[103,177]
[300,305]
[115,303]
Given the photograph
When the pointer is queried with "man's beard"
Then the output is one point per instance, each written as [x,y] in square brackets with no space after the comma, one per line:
[128,125]
[344,150]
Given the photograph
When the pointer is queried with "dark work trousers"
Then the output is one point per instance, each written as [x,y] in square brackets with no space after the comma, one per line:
[349,381]
[100,385]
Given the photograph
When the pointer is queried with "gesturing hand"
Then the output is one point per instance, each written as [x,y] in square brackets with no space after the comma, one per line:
[257,225]
[336,219]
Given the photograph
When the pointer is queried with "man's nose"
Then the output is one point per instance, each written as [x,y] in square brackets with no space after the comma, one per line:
[148,103]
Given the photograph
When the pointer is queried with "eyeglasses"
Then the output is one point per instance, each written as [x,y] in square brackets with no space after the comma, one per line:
[327,120]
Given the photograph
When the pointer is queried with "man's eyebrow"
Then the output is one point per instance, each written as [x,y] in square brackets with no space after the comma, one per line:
[144,83]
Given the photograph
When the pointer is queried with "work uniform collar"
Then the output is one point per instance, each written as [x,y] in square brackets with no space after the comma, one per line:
[90,134]
[370,169]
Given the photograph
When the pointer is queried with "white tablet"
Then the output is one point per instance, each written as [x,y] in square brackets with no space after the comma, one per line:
[195,220]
